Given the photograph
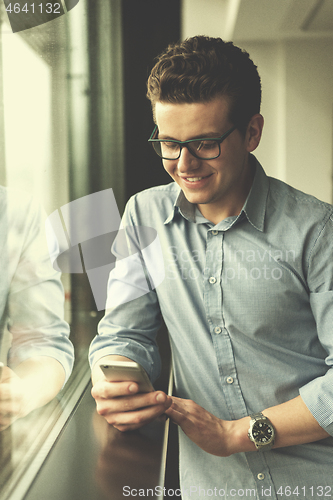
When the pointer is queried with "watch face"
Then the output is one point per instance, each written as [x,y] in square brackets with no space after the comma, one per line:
[262,432]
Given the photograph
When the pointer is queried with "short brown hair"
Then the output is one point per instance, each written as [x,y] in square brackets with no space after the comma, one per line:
[202,68]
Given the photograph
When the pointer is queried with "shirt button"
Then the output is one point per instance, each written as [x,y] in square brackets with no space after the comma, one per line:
[212,280]
[230,380]
[214,233]
[261,476]
[217,329]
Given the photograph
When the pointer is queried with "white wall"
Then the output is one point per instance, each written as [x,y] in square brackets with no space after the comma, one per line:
[297,78]
[203,17]
[270,61]
[309,115]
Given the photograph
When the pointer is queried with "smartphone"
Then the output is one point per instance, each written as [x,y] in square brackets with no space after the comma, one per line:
[120,371]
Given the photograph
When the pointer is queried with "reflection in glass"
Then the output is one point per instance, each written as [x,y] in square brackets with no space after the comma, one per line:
[35,347]
[40,355]
[34,344]
[61,121]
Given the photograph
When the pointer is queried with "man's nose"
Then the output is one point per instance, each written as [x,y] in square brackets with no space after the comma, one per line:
[187,162]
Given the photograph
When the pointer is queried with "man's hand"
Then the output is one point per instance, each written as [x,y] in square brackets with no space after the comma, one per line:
[12,398]
[292,420]
[207,431]
[121,405]
[34,383]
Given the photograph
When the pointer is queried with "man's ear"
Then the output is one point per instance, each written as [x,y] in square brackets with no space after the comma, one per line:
[253,132]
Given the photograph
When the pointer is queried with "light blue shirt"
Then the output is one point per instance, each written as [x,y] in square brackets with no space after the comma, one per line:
[248,306]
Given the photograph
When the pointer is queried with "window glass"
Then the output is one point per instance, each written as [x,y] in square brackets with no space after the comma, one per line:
[47,98]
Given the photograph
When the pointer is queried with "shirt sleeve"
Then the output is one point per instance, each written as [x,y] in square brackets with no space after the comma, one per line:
[318,394]
[132,318]
[35,301]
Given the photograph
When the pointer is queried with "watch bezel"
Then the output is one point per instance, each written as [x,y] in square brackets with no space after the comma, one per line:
[257,420]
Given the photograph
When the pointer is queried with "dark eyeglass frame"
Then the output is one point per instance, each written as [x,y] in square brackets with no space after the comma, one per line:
[185,144]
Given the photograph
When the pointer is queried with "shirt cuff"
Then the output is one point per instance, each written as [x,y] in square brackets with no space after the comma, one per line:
[139,355]
[318,397]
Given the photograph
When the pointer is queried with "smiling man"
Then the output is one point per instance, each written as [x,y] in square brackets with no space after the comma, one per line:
[218,186]
[247,296]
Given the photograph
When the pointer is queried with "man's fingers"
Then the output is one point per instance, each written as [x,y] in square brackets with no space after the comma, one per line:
[182,411]
[131,403]
[7,375]
[175,413]
[131,412]
[6,392]
[9,409]
[136,418]
[126,409]
[10,402]
[108,390]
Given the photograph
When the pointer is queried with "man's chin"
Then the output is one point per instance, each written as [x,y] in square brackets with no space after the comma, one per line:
[195,199]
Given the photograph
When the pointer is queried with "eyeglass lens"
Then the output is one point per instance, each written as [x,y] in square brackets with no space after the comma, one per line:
[201,149]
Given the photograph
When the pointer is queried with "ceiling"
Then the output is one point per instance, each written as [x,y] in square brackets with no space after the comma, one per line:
[258,19]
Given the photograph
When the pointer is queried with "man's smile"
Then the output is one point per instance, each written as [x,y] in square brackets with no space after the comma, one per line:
[194,179]
[194,182]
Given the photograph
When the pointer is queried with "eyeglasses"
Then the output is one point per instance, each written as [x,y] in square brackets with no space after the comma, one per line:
[204,149]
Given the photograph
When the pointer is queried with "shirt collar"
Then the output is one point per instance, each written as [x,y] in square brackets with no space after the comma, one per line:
[255,204]
[183,207]
[254,207]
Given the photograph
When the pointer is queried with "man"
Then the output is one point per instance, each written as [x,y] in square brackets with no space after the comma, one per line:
[40,355]
[247,296]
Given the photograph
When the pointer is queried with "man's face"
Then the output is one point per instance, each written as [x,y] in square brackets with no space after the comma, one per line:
[218,187]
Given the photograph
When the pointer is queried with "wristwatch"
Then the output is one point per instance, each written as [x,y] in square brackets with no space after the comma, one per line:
[261,432]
